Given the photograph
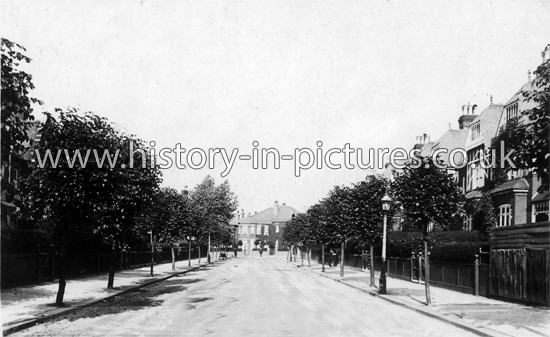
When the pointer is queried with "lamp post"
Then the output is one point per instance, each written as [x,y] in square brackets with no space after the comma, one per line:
[386,202]
[152,251]
[189,239]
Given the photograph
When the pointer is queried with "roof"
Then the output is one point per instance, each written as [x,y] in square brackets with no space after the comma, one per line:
[474,194]
[541,196]
[451,140]
[488,121]
[514,184]
[522,103]
[526,87]
[264,216]
[248,219]
[427,149]
[285,214]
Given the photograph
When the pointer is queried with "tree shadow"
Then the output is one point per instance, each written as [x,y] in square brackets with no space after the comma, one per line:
[138,299]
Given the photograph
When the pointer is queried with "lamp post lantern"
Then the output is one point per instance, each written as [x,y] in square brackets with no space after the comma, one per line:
[386,202]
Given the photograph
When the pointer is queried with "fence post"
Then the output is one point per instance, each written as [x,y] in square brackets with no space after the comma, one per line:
[412,267]
[419,268]
[476,275]
[53,265]
[39,265]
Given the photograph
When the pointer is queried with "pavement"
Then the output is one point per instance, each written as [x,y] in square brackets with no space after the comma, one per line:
[480,315]
[26,306]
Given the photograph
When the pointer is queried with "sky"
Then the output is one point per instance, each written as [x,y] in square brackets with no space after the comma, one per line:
[285,74]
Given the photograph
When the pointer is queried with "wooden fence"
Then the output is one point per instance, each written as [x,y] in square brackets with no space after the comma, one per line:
[520,258]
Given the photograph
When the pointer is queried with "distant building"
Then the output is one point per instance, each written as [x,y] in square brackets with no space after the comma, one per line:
[18,166]
[266,225]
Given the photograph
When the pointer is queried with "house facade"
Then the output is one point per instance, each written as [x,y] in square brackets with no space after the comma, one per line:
[266,226]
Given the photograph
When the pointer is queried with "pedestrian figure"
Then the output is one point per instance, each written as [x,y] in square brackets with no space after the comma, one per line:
[261,251]
[235,250]
[332,258]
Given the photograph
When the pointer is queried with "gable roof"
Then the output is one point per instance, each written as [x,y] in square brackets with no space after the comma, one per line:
[451,140]
[488,121]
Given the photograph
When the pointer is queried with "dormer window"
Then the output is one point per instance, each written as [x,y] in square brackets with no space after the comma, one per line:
[476,131]
[512,111]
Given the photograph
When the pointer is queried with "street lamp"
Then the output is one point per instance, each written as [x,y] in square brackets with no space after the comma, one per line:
[152,251]
[189,239]
[386,203]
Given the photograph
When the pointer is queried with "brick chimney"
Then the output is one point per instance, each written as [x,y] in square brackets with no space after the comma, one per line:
[467,118]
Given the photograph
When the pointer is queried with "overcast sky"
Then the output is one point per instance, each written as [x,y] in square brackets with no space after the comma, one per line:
[283,73]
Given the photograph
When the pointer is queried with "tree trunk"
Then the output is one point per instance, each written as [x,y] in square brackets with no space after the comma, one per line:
[323,256]
[199,247]
[427,270]
[208,259]
[288,257]
[371,258]
[111,280]
[308,257]
[173,258]
[302,254]
[342,260]
[62,283]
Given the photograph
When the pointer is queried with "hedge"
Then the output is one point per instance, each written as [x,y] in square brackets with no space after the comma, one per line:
[444,246]
[457,251]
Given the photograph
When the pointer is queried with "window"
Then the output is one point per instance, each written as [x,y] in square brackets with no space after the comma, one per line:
[511,111]
[15,177]
[245,231]
[266,230]
[505,215]
[476,131]
[276,228]
[475,172]
[540,210]
[468,222]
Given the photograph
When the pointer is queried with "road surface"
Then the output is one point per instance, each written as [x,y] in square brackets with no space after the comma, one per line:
[246,296]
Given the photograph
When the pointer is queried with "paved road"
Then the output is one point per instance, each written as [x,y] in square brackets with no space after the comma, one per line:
[244,297]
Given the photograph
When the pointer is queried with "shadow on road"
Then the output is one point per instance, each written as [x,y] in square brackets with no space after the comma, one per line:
[138,299]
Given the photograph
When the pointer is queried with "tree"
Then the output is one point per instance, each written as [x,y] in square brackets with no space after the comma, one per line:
[169,217]
[290,236]
[69,196]
[337,211]
[16,103]
[64,201]
[537,150]
[215,206]
[428,195]
[134,189]
[528,135]
[366,213]
[320,232]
